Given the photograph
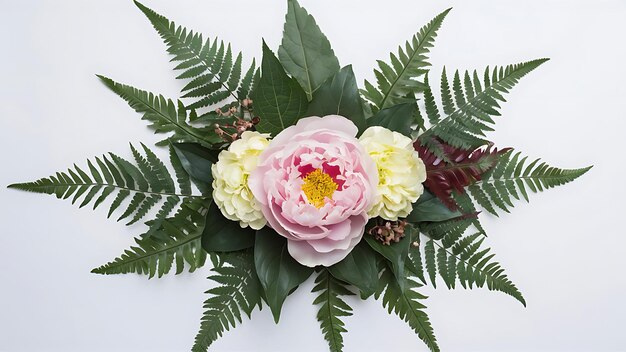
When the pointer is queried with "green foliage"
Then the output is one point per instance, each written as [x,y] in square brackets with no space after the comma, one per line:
[251,267]
[223,235]
[175,239]
[278,100]
[395,253]
[148,182]
[397,83]
[465,261]
[196,161]
[430,208]
[455,227]
[455,257]
[359,268]
[397,118]
[278,272]
[239,290]
[511,179]
[470,114]
[339,95]
[214,77]
[305,52]
[406,304]
[414,261]
[331,309]
[164,116]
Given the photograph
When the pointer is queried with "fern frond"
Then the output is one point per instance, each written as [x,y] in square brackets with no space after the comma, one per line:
[450,228]
[332,307]
[148,182]
[398,80]
[455,256]
[239,290]
[213,76]
[175,239]
[469,114]
[406,304]
[512,178]
[467,206]
[463,259]
[164,116]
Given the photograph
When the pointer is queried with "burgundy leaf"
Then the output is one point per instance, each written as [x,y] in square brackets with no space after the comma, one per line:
[462,168]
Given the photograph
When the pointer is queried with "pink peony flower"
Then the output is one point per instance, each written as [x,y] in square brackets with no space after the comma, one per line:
[315,184]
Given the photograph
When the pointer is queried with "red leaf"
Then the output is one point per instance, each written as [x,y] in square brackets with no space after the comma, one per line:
[463,168]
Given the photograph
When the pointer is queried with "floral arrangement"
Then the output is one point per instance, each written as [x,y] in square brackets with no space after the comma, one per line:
[288,171]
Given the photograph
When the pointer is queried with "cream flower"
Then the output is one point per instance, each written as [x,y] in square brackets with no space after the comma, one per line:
[400,172]
[230,180]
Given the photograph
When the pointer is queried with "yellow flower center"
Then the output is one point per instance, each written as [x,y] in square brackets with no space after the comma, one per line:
[317,186]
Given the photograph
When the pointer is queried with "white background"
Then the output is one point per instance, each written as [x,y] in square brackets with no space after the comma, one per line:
[565,251]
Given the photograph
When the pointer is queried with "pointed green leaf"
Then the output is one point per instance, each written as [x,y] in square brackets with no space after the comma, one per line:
[278,100]
[397,118]
[223,235]
[430,208]
[395,253]
[278,272]
[305,51]
[339,95]
[196,160]
[359,269]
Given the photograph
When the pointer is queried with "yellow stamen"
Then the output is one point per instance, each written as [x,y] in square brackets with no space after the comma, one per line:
[317,186]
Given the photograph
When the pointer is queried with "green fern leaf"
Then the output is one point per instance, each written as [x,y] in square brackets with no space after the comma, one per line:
[332,307]
[431,265]
[174,239]
[445,229]
[472,265]
[214,77]
[397,82]
[406,304]
[164,116]
[415,264]
[469,114]
[183,179]
[149,183]
[512,177]
[456,257]
[239,290]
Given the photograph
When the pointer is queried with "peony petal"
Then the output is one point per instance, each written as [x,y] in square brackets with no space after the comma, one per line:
[304,253]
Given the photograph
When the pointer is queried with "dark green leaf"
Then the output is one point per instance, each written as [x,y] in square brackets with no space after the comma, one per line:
[397,118]
[223,235]
[359,269]
[395,253]
[305,51]
[339,96]
[196,160]
[278,272]
[278,100]
[430,208]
